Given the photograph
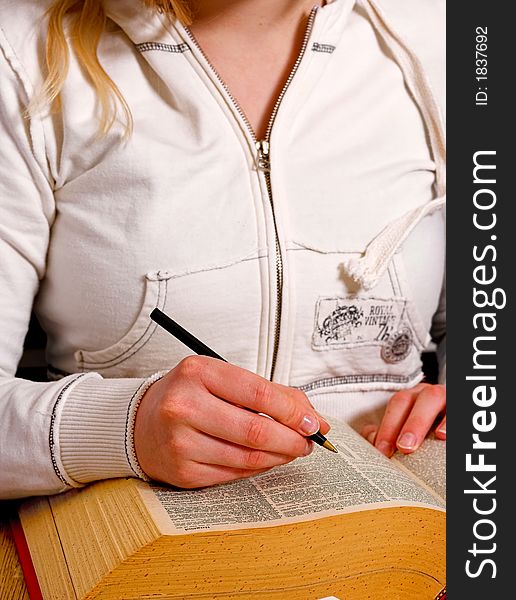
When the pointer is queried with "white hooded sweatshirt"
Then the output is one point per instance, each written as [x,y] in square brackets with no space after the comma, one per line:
[314,257]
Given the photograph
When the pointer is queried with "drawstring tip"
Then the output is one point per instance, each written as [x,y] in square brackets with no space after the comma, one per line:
[356,269]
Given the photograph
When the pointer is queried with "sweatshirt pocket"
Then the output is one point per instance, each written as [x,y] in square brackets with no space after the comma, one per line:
[221,306]
[137,337]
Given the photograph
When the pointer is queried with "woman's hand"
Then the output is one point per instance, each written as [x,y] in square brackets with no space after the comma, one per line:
[199,426]
[408,418]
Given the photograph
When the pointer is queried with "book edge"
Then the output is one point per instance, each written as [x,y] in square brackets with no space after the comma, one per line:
[25,558]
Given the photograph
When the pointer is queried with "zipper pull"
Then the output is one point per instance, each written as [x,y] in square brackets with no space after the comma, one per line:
[263,159]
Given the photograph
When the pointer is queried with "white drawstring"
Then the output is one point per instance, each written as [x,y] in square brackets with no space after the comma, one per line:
[370,266]
[366,269]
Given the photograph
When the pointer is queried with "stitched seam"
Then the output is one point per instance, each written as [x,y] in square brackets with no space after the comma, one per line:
[126,434]
[149,337]
[350,379]
[261,253]
[408,307]
[51,438]
[160,47]
[414,328]
[328,48]
[393,262]
[24,80]
[396,289]
[359,297]
[123,355]
[308,248]
[327,346]
[82,363]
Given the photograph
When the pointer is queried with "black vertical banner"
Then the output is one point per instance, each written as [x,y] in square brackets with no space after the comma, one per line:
[481,234]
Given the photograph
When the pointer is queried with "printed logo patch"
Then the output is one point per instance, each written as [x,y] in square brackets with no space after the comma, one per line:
[341,322]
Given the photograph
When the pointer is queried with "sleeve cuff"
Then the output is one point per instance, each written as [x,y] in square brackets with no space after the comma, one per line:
[94,429]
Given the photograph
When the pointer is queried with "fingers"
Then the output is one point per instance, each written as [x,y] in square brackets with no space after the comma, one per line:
[243,388]
[369,432]
[190,458]
[396,413]
[429,403]
[203,448]
[201,424]
[324,426]
[409,416]
[440,430]
[231,423]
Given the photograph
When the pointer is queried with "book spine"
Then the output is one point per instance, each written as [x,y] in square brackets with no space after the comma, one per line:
[441,595]
[23,551]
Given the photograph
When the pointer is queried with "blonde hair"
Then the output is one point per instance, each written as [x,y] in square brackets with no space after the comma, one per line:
[87,21]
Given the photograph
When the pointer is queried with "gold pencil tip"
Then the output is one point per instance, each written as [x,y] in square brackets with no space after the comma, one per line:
[329,446]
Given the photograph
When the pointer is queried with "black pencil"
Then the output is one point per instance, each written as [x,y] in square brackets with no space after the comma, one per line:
[199,348]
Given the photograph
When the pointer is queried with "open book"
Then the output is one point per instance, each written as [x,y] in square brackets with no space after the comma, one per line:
[353,525]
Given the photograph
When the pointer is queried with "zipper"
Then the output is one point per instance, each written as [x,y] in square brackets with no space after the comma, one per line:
[263,164]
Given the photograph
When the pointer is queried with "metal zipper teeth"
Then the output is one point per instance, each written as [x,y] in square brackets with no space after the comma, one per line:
[279,257]
[306,38]
[223,84]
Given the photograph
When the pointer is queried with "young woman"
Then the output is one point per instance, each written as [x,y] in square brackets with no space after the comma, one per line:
[268,172]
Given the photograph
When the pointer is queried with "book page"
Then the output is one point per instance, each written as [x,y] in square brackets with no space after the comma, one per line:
[319,485]
[428,463]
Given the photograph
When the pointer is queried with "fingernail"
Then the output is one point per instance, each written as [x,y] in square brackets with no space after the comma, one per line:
[309,425]
[385,448]
[370,438]
[442,429]
[407,441]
